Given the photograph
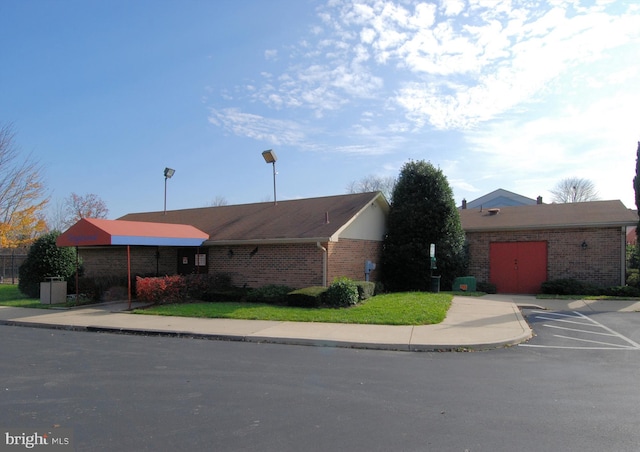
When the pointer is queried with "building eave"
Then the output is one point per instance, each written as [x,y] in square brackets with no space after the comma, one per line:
[551,226]
[280,241]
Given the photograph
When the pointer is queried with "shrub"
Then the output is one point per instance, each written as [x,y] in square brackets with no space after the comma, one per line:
[272,294]
[181,288]
[343,292]
[97,288]
[43,260]
[486,287]
[225,294]
[633,278]
[366,289]
[568,287]
[622,291]
[198,285]
[213,287]
[309,297]
[166,289]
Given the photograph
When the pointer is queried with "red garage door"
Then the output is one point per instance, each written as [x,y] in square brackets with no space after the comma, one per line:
[518,267]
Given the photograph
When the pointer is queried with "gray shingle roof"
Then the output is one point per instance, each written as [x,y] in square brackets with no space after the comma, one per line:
[292,220]
[543,216]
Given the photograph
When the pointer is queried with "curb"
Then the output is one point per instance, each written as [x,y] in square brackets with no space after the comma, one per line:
[526,335]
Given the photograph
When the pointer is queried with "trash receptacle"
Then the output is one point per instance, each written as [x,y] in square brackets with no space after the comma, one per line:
[435,284]
[53,291]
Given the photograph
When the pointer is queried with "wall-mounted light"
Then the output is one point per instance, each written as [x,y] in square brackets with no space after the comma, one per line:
[584,245]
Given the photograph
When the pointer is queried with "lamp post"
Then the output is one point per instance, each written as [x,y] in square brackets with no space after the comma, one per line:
[270,157]
[168,172]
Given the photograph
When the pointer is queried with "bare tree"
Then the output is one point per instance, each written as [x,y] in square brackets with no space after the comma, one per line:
[77,207]
[218,201]
[373,183]
[56,219]
[22,193]
[574,189]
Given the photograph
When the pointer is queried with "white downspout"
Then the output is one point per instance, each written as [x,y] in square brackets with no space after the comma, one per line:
[324,263]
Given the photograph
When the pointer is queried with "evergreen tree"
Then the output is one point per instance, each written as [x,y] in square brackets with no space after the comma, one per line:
[45,259]
[423,212]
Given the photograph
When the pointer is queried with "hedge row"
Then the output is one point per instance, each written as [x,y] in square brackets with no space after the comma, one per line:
[177,289]
[576,287]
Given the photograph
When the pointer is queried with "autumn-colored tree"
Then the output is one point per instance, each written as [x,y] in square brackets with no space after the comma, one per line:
[22,194]
[77,207]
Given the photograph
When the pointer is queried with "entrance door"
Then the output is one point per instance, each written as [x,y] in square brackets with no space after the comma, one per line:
[518,267]
[190,261]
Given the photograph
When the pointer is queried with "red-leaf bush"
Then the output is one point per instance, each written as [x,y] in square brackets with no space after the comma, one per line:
[180,288]
[160,290]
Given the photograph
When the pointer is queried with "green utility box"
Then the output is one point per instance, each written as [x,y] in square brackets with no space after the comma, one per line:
[464,284]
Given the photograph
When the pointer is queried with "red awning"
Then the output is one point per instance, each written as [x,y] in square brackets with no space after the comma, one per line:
[98,232]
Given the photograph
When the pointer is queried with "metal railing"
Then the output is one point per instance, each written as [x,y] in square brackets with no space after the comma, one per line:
[10,262]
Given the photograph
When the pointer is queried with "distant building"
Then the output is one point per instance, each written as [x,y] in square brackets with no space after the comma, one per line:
[500,198]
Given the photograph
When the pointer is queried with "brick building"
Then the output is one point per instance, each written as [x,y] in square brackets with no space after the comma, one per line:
[519,247]
[299,243]
[310,242]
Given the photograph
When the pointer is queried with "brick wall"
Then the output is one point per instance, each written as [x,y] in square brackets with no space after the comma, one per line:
[600,263]
[295,265]
[347,258]
[112,261]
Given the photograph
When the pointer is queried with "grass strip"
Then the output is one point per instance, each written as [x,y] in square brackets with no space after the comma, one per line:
[407,308]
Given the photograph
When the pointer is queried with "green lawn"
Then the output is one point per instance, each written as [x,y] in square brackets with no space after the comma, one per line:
[408,308]
[11,296]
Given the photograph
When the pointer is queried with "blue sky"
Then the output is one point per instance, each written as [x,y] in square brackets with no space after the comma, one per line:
[499,94]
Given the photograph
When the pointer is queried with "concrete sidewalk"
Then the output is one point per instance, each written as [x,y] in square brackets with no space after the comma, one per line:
[528,301]
[471,323]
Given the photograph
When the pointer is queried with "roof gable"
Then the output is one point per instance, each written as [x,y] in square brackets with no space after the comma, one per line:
[543,216]
[500,198]
[311,219]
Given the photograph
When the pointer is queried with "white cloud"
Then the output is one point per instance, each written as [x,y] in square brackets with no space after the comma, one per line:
[452,7]
[270,54]
[477,66]
[268,130]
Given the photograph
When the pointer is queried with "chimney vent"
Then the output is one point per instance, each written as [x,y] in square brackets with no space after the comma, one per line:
[539,200]
[493,211]
[464,203]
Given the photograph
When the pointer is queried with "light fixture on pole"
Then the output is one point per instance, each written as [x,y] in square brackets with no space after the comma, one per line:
[168,172]
[270,157]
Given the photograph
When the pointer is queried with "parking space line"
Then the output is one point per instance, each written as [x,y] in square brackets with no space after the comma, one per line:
[580,331]
[634,344]
[594,342]
[561,321]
